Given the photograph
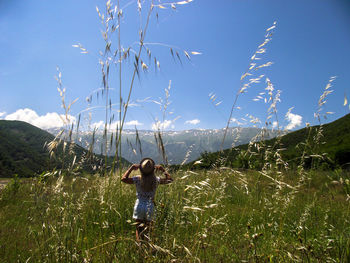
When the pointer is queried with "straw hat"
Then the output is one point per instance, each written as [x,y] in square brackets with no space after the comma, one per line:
[147,166]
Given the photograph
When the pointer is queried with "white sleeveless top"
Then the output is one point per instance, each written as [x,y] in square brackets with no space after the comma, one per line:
[142,195]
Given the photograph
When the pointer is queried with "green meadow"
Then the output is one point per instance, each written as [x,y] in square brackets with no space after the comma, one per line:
[221,215]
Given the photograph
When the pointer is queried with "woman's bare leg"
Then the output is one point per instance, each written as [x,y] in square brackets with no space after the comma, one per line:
[141,228]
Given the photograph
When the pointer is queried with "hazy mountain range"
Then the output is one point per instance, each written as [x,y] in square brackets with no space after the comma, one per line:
[180,146]
[22,148]
[321,147]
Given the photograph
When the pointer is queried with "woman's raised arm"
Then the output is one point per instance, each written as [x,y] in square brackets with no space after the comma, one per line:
[167,179]
[125,178]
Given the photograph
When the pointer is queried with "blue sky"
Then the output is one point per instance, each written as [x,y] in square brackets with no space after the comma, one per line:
[310,44]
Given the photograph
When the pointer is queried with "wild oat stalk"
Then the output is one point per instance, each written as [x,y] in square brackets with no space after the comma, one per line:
[160,125]
[111,18]
[64,137]
[251,70]
[316,155]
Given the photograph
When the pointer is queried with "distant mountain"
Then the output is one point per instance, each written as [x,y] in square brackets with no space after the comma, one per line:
[22,151]
[180,146]
[331,141]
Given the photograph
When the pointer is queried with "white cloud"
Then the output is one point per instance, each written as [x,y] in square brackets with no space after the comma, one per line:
[26,115]
[236,121]
[295,120]
[47,121]
[274,124]
[162,125]
[133,123]
[2,114]
[193,122]
[98,125]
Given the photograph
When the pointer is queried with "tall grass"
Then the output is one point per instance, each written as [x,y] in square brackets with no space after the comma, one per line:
[121,65]
[209,216]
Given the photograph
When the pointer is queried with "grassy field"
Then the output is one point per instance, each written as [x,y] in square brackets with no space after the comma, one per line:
[3,182]
[208,216]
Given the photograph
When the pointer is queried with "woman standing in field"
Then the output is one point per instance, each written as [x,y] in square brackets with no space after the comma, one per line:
[146,186]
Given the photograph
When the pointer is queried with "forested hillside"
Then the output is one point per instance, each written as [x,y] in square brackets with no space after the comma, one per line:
[23,151]
[326,146]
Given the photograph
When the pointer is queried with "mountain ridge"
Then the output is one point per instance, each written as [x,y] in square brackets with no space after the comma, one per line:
[180,146]
[23,151]
[332,150]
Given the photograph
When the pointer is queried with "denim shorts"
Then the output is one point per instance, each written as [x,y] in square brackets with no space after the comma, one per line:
[144,210]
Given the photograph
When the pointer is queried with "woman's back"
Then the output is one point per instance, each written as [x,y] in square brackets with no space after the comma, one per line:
[146,187]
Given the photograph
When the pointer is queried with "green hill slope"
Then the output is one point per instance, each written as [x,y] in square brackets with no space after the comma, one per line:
[22,150]
[335,141]
[332,141]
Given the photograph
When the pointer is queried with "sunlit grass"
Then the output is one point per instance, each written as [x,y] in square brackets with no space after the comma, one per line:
[209,216]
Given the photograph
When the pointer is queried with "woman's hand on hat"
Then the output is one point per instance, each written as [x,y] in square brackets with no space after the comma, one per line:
[159,168]
[135,166]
